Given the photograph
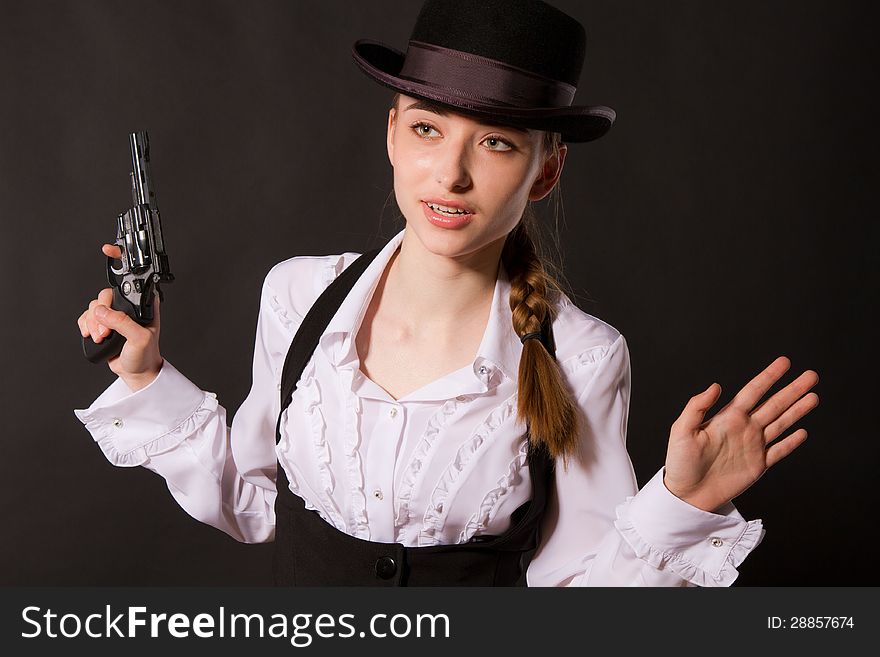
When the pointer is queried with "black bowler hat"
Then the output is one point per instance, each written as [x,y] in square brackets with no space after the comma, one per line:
[513,62]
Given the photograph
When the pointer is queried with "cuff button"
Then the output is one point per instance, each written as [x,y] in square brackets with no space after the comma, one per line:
[117,422]
[716,542]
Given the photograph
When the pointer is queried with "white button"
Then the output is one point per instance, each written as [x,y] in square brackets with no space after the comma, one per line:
[461,398]
[716,542]
[117,423]
[483,369]
[378,494]
[393,412]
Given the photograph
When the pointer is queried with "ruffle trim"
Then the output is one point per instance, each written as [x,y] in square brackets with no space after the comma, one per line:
[480,520]
[747,541]
[589,356]
[309,391]
[284,450]
[103,434]
[307,388]
[333,269]
[437,512]
[329,273]
[354,466]
[281,312]
[358,525]
[413,473]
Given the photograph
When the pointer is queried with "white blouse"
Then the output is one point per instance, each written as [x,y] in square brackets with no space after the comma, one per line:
[439,465]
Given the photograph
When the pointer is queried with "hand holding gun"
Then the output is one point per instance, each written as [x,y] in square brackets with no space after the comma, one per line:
[143,265]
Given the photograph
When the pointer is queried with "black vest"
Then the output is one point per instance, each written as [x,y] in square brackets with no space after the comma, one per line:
[311,552]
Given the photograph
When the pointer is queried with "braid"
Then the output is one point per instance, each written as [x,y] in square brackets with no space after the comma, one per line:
[544,401]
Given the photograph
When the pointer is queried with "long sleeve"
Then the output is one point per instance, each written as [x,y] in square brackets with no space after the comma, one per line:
[222,476]
[600,530]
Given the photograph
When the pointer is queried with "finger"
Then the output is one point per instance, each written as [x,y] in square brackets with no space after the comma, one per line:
[92,323]
[112,250]
[778,451]
[694,411]
[88,326]
[105,297]
[83,327]
[746,398]
[803,406]
[156,312]
[96,329]
[771,409]
[119,322]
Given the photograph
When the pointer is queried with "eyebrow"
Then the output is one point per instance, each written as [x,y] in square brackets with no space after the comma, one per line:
[436,108]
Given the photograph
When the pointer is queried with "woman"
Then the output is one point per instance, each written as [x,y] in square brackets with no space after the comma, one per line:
[428,388]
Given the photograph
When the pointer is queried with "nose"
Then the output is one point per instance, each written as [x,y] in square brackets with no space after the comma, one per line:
[452,166]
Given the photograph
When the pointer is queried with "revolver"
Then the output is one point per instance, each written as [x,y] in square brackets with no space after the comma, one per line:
[144,263]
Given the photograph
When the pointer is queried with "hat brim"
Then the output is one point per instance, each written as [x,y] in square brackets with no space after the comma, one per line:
[576,123]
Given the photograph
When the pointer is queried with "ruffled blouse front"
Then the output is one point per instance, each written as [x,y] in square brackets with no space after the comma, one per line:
[438,466]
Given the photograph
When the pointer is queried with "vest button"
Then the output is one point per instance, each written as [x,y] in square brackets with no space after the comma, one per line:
[385,567]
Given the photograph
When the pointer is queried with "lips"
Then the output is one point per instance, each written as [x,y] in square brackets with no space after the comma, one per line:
[442,220]
[448,205]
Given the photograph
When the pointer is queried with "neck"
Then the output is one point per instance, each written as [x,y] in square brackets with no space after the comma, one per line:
[435,294]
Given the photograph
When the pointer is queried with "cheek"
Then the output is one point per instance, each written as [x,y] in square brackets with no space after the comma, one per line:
[410,166]
[414,164]
[507,185]
[408,181]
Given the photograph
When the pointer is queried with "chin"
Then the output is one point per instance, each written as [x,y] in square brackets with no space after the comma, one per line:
[456,243]
[441,241]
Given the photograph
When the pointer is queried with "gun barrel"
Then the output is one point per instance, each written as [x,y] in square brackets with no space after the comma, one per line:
[142,185]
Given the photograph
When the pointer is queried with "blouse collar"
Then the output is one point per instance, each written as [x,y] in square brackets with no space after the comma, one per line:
[497,356]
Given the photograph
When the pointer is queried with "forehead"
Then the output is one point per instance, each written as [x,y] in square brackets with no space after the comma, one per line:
[408,103]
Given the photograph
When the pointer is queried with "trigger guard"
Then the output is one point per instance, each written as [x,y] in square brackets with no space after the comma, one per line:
[110,261]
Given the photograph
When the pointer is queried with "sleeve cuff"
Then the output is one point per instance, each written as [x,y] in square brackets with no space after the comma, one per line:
[129,427]
[702,547]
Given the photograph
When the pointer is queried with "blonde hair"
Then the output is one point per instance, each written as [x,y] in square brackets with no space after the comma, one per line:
[536,285]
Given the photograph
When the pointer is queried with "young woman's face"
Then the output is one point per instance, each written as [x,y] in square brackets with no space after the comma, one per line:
[449,159]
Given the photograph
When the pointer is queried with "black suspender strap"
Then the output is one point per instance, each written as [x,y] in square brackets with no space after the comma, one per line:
[312,328]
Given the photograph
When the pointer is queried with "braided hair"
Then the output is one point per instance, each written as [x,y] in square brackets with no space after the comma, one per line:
[543,400]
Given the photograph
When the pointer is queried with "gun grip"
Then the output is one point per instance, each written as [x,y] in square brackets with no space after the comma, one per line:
[110,346]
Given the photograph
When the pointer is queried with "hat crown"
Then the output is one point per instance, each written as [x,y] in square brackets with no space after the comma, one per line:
[528,34]
[510,62]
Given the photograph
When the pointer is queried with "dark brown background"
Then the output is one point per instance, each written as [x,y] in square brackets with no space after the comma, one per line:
[726,219]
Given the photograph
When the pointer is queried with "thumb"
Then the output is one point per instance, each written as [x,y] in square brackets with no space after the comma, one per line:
[117,320]
[695,410]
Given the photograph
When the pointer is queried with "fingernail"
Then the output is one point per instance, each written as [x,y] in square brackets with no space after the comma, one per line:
[100,312]
[101,328]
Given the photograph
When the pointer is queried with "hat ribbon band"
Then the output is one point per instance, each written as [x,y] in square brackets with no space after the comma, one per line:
[480,77]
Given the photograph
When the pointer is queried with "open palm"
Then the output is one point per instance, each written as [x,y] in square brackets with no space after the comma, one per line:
[708,463]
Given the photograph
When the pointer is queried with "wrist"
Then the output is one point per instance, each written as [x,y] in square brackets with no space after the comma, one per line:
[694,499]
[141,380]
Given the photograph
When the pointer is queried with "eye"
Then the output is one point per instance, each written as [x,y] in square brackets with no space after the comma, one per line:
[496,140]
[423,129]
